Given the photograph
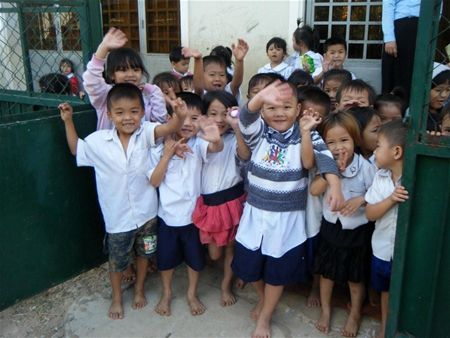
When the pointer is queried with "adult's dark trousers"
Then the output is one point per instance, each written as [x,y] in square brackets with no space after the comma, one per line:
[397,71]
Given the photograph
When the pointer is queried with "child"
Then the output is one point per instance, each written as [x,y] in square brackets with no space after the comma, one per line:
[300,78]
[123,65]
[369,122]
[355,93]
[445,125]
[127,200]
[439,93]
[342,251]
[389,107]
[382,200]
[258,81]
[276,52]
[332,81]
[314,99]
[220,206]
[67,69]
[187,83]
[305,41]
[225,53]
[165,81]
[179,182]
[180,63]
[269,249]
[335,54]
[54,83]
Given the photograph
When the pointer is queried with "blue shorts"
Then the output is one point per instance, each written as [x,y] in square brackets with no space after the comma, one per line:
[380,277]
[311,249]
[252,266]
[178,244]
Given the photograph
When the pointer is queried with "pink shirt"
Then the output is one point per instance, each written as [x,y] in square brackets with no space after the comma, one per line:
[97,89]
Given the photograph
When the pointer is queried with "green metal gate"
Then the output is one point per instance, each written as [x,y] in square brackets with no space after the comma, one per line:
[50,224]
[420,288]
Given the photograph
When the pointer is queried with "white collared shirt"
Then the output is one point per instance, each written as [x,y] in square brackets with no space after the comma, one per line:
[181,185]
[283,69]
[383,237]
[356,180]
[314,208]
[126,197]
[221,171]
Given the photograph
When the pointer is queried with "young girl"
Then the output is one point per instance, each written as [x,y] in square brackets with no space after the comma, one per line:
[305,41]
[66,68]
[342,251]
[123,65]
[276,52]
[220,206]
[439,93]
[369,122]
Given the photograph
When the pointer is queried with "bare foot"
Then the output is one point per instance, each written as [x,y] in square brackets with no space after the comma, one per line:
[227,298]
[163,307]
[197,308]
[115,310]
[262,329]
[128,275]
[323,324]
[351,326]
[254,314]
[240,284]
[313,298]
[139,300]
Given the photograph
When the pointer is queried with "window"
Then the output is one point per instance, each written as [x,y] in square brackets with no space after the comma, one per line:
[358,22]
[152,26]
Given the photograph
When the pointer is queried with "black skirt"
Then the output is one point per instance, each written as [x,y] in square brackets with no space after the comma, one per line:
[342,254]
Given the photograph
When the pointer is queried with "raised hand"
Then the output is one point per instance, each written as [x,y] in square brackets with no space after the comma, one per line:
[209,130]
[309,120]
[232,118]
[66,111]
[191,52]
[276,93]
[115,38]
[240,49]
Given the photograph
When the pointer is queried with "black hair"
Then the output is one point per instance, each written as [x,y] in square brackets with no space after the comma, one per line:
[442,77]
[210,59]
[308,36]
[263,77]
[227,99]
[168,78]
[358,86]
[122,59]
[363,115]
[66,61]
[55,83]
[301,78]
[223,52]
[394,132]
[184,79]
[341,75]
[124,91]
[388,98]
[314,95]
[334,40]
[176,55]
[193,101]
[278,43]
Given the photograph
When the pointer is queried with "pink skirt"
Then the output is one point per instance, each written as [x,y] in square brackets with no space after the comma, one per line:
[217,215]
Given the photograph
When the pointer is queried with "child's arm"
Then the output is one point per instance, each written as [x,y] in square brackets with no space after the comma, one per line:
[66,112]
[318,186]
[308,121]
[242,149]
[115,38]
[170,147]
[334,198]
[275,93]
[177,120]
[155,98]
[377,210]
[210,132]
[198,68]
[239,51]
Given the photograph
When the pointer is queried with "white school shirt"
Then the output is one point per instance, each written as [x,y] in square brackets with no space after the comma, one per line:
[221,171]
[356,180]
[283,69]
[181,185]
[383,237]
[126,197]
[295,61]
[314,207]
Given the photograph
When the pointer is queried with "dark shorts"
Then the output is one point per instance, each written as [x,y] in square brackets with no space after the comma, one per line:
[311,249]
[252,266]
[142,241]
[380,277]
[178,244]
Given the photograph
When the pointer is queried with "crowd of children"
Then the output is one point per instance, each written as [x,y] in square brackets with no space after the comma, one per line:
[286,187]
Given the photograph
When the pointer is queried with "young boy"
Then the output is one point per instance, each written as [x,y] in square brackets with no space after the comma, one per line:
[355,93]
[389,107]
[179,181]
[314,99]
[128,202]
[269,250]
[382,200]
[258,81]
[332,81]
[335,54]
[180,63]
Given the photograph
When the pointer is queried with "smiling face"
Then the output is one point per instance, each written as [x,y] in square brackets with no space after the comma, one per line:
[352,98]
[331,87]
[438,96]
[275,54]
[128,75]
[191,123]
[215,77]
[218,112]
[281,117]
[336,54]
[338,141]
[126,115]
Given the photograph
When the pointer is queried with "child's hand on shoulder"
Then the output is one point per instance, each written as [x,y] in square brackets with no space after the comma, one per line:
[233,117]
[208,130]
[191,52]
[240,49]
[400,194]
[309,120]
[115,38]
[66,111]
